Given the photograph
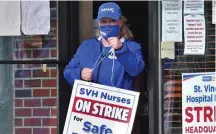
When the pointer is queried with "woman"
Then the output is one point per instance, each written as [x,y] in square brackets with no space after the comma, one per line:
[112,59]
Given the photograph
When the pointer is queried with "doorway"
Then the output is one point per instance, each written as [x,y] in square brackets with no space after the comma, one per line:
[137,15]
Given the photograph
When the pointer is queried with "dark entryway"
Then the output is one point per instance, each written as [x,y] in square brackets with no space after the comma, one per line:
[137,15]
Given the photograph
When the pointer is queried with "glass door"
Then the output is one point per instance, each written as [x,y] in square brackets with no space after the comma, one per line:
[172,74]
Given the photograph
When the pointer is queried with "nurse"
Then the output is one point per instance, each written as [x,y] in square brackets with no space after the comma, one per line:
[113,59]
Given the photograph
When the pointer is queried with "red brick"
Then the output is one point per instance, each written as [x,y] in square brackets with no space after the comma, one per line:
[41,131]
[53,130]
[23,131]
[53,112]
[37,53]
[53,35]
[52,23]
[53,53]
[53,92]
[22,73]
[32,103]
[41,112]
[18,66]
[49,102]
[32,65]
[32,83]
[18,122]
[49,83]
[27,42]
[32,122]
[37,37]
[23,112]
[36,65]
[52,40]
[49,121]
[23,54]
[41,92]
[40,73]
[18,102]
[53,72]
[26,45]
[18,83]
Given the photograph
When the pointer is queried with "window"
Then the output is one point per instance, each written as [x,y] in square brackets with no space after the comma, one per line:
[173,69]
[28,82]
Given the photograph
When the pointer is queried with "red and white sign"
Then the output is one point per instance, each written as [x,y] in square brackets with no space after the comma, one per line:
[199,103]
[99,109]
[194,34]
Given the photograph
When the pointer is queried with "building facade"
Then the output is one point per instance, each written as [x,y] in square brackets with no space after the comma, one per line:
[34,96]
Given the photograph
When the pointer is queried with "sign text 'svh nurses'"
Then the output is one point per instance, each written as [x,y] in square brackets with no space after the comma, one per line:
[199,103]
[99,109]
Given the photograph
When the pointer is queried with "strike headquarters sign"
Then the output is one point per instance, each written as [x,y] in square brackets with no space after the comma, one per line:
[99,109]
[199,103]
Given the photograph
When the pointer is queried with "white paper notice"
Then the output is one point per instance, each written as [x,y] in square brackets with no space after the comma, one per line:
[168,50]
[194,7]
[194,34]
[213,11]
[35,17]
[10,18]
[172,21]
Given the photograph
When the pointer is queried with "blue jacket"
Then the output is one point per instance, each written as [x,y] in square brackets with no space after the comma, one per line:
[129,63]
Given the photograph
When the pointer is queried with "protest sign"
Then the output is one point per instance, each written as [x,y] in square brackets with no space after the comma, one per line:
[199,103]
[100,109]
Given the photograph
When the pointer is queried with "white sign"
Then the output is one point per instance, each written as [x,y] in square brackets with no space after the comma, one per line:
[199,103]
[99,109]
[168,50]
[35,17]
[172,20]
[213,11]
[10,18]
[194,34]
[194,7]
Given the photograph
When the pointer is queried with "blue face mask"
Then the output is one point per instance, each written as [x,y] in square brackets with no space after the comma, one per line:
[109,31]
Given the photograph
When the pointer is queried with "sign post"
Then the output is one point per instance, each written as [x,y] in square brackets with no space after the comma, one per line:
[100,109]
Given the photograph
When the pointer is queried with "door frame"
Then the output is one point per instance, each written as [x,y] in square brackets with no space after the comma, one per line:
[68,40]
[155,72]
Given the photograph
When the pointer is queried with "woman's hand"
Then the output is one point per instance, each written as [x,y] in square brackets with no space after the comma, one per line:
[86,74]
[115,42]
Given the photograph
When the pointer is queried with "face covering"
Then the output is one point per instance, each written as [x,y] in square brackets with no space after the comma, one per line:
[109,31]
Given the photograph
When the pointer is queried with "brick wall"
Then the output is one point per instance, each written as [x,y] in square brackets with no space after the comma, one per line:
[35,91]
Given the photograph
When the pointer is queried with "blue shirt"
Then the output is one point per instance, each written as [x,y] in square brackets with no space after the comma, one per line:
[128,63]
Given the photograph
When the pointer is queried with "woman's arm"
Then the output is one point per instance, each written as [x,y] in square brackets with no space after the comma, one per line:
[73,70]
[130,56]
